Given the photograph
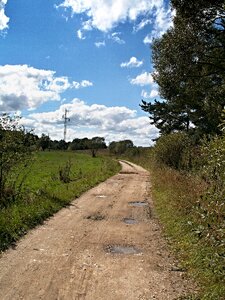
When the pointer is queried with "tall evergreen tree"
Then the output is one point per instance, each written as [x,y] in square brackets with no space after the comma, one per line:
[189,62]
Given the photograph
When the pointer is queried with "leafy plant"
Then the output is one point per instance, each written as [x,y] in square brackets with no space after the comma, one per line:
[14,151]
[64,172]
[174,150]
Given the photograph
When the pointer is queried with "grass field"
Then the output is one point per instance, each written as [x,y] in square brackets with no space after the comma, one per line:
[44,193]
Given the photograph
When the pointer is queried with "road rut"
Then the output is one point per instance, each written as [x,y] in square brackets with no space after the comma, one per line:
[73,255]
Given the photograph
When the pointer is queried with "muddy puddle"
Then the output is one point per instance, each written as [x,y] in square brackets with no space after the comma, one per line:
[130,221]
[120,249]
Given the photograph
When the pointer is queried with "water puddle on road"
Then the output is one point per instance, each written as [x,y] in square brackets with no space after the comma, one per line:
[101,196]
[138,203]
[119,249]
[130,221]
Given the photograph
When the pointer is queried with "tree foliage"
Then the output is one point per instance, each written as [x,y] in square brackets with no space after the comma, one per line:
[120,147]
[93,144]
[189,62]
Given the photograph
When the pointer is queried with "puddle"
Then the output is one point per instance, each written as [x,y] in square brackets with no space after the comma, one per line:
[101,196]
[138,203]
[129,221]
[118,249]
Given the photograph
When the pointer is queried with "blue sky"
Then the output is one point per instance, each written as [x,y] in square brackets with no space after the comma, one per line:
[91,57]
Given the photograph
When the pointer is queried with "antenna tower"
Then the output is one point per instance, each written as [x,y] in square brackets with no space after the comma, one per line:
[66,120]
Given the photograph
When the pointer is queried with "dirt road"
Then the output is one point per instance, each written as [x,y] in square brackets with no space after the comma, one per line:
[106,245]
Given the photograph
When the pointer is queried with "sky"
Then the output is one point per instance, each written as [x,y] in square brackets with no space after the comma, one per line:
[90,57]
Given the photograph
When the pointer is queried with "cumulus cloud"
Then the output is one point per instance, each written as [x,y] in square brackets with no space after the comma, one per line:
[105,15]
[113,123]
[142,79]
[24,87]
[3,18]
[132,63]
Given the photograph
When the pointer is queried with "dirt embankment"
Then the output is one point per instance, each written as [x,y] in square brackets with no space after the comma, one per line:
[106,245]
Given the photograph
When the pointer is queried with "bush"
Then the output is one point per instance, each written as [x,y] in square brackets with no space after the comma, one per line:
[14,153]
[211,209]
[174,150]
[64,172]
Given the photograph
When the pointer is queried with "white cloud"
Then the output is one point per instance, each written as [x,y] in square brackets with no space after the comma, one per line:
[132,63]
[82,84]
[24,87]
[148,39]
[100,44]
[163,21]
[154,93]
[80,35]
[142,24]
[142,79]
[105,15]
[115,36]
[3,18]
[113,123]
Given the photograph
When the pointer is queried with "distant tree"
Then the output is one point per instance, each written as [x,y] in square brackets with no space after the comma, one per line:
[62,145]
[95,144]
[44,142]
[120,147]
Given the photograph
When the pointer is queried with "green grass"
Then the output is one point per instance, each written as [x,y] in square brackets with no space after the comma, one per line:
[44,193]
[176,198]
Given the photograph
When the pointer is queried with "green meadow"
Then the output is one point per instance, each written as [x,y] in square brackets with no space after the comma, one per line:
[49,182]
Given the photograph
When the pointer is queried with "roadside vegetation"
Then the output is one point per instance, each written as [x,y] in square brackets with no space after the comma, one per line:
[188,194]
[187,162]
[36,184]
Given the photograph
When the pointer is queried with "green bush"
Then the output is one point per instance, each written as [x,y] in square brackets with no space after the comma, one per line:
[14,151]
[211,209]
[174,150]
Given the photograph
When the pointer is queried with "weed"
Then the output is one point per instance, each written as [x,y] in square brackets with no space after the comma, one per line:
[64,172]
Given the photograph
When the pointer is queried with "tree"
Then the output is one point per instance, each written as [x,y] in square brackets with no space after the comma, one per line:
[167,117]
[44,142]
[189,62]
[95,144]
[120,147]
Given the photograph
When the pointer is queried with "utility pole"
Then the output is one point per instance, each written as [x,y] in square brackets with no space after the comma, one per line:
[66,120]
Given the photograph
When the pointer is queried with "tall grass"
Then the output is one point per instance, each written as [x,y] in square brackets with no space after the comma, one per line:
[44,192]
[179,198]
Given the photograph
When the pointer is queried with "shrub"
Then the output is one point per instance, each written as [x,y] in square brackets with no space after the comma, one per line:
[14,152]
[211,208]
[174,150]
[64,172]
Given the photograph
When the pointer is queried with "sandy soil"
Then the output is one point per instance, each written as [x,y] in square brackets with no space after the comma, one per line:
[72,255]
